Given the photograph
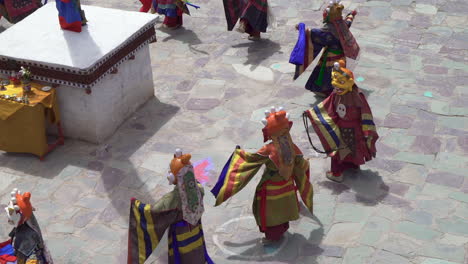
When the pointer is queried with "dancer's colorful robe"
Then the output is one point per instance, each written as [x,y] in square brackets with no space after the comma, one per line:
[353,133]
[71,17]
[253,12]
[29,245]
[148,224]
[26,236]
[7,253]
[15,11]
[332,38]
[173,11]
[275,202]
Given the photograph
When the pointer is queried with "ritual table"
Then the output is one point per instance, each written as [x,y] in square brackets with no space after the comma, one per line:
[23,125]
[102,74]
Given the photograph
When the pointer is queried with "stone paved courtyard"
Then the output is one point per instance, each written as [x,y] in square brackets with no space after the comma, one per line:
[410,205]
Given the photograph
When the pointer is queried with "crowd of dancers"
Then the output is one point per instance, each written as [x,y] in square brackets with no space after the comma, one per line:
[343,122]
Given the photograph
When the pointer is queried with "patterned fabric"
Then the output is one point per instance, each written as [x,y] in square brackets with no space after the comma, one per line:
[148,223]
[6,248]
[275,200]
[283,153]
[190,195]
[238,171]
[368,127]
[29,245]
[254,11]
[323,118]
[146,227]
[166,7]
[330,38]
[320,79]
[92,75]
[19,7]
[70,15]
[273,196]
[348,135]
[187,244]
[354,133]
[302,179]
[347,40]
[232,10]
[16,10]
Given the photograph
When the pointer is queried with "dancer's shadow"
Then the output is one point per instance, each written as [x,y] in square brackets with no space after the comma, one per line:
[296,246]
[258,51]
[186,36]
[362,186]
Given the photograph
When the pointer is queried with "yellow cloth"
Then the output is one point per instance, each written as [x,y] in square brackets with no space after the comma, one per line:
[22,126]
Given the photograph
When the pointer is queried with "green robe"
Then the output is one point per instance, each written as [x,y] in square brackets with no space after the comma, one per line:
[149,222]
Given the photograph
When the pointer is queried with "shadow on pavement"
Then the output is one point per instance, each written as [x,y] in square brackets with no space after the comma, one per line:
[364,186]
[258,51]
[186,36]
[297,248]
[106,174]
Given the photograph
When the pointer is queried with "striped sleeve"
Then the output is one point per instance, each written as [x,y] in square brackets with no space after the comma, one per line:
[322,117]
[238,171]
[146,227]
[302,179]
[368,126]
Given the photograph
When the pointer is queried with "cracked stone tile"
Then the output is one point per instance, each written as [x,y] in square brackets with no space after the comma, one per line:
[449,239]
[445,179]
[438,208]
[386,257]
[351,213]
[420,217]
[436,261]
[437,191]
[417,231]
[414,158]
[343,234]
[449,252]
[400,246]
[357,255]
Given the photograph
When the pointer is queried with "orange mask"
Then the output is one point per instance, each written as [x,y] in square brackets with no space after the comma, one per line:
[276,123]
[178,162]
[19,209]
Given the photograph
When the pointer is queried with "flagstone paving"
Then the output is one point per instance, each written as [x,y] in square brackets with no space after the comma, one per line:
[410,205]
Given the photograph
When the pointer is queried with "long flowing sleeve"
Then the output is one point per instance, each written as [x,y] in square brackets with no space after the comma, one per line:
[147,225]
[368,126]
[238,171]
[303,53]
[323,119]
[302,180]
